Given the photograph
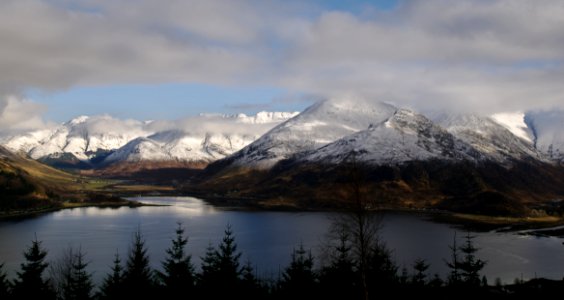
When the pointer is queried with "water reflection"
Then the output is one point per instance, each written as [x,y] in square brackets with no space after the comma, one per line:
[266,238]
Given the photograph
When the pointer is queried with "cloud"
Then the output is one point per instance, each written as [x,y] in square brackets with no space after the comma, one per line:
[18,115]
[469,54]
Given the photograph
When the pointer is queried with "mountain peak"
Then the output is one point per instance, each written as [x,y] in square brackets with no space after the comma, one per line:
[78,120]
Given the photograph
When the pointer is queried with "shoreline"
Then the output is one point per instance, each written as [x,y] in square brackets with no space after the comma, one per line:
[535,225]
[39,212]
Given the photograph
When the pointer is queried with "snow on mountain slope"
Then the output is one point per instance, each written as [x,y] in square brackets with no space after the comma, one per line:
[489,137]
[204,138]
[514,122]
[405,136]
[81,137]
[548,132]
[180,146]
[320,124]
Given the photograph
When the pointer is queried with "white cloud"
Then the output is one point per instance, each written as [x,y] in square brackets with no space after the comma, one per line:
[468,54]
[17,114]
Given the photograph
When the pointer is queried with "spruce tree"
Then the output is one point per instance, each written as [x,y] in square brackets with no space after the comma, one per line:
[69,276]
[228,260]
[299,279]
[339,279]
[30,283]
[138,280]
[454,264]
[221,274]
[112,288]
[81,281]
[250,286]
[420,277]
[178,275]
[206,278]
[470,266]
[4,284]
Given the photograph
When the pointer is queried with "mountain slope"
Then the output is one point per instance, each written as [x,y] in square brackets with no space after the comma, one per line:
[25,183]
[488,136]
[405,136]
[318,125]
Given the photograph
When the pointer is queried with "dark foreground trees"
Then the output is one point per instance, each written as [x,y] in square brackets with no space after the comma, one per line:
[69,276]
[222,276]
[177,277]
[30,283]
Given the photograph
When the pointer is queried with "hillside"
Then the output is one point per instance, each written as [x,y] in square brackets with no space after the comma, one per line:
[27,185]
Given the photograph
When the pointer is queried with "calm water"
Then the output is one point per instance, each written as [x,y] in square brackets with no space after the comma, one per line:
[266,238]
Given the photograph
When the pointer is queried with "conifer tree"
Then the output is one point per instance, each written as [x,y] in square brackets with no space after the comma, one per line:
[420,277]
[221,273]
[250,286]
[339,278]
[112,287]
[228,260]
[30,283]
[4,284]
[470,266]
[209,268]
[69,276]
[454,264]
[138,280]
[178,275]
[299,279]
[81,281]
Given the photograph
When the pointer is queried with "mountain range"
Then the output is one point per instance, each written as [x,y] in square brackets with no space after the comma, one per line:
[443,160]
[108,143]
[507,163]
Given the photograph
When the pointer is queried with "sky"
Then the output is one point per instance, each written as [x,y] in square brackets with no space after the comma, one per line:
[154,59]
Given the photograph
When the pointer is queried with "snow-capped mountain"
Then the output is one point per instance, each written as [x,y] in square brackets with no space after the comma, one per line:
[463,162]
[405,136]
[90,139]
[318,125]
[83,137]
[498,138]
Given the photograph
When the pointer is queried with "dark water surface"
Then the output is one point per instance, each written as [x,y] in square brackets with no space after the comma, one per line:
[266,238]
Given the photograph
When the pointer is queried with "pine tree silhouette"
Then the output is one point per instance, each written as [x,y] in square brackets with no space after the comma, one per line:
[30,283]
[470,266]
[454,264]
[81,281]
[178,275]
[221,274]
[420,277]
[138,280]
[339,279]
[4,284]
[299,279]
[112,287]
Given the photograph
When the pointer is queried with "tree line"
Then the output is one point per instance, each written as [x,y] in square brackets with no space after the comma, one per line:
[350,271]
